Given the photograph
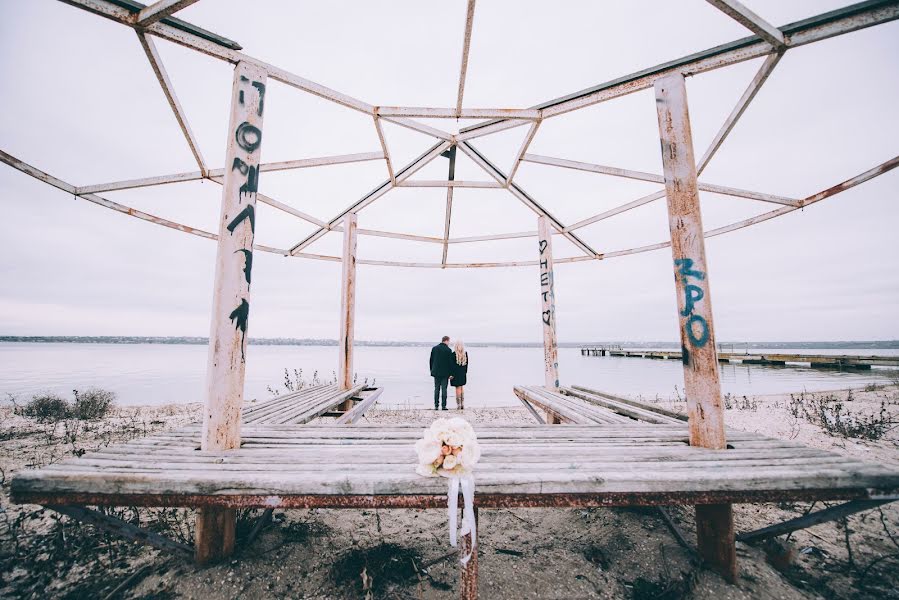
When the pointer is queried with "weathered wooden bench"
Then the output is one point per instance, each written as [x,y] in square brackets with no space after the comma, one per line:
[291,466]
[582,406]
[312,402]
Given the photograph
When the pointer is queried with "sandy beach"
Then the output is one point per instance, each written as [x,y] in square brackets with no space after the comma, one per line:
[526,553]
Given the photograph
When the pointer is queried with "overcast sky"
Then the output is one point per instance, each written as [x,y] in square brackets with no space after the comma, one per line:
[81,102]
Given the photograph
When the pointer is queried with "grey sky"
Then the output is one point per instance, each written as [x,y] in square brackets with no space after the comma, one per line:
[82,103]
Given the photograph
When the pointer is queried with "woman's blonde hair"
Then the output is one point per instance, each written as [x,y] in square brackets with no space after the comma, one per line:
[461,356]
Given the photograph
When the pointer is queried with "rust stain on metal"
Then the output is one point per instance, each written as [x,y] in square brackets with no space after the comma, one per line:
[482,499]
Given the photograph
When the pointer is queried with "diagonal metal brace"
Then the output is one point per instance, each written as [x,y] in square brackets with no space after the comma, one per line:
[124,529]
[816,518]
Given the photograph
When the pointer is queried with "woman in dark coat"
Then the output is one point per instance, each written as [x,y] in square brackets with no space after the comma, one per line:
[459,377]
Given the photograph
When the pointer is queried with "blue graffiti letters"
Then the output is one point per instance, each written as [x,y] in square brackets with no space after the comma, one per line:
[703,337]
[685,268]
[692,295]
[696,327]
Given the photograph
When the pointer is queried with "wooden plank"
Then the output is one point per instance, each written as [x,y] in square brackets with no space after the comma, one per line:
[369,398]
[548,304]
[696,482]
[643,405]
[620,407]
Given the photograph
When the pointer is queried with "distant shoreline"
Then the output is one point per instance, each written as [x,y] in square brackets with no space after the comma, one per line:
[202,341]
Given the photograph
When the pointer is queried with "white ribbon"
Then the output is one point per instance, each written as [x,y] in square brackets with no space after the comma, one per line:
[468,522]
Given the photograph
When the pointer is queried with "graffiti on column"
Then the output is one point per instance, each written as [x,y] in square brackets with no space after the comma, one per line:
[546,286]
[249,139]
[696,328]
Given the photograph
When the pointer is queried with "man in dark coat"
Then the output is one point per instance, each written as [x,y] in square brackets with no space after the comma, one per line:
[441,364]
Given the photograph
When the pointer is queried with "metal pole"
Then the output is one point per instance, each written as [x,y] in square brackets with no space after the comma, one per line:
[231,296]
[714,523]
[548,303]
[347,304]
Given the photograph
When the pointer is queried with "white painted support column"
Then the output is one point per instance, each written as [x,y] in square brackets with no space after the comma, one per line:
[548,302]
[714,523]
[231,298]
[347,303]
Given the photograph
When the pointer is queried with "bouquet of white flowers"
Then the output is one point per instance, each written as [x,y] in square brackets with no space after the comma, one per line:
[450,449]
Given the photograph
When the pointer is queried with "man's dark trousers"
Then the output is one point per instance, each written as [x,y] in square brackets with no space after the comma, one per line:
[440,387]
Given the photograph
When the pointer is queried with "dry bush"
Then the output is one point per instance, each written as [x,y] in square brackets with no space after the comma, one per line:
[46,408]
[92,404]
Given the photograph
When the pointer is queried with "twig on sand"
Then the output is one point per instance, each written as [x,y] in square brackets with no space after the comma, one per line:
[129,582]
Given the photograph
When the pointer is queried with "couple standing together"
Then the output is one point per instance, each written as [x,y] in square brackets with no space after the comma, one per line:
[449,365]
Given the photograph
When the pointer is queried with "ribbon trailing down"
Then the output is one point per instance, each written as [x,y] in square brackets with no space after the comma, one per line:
[468,523]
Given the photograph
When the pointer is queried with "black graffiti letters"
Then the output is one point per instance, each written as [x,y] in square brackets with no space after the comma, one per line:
[240,316]
[249,137]
[248,212]
[543,245]
[547,317]
[248,262]
[260,87]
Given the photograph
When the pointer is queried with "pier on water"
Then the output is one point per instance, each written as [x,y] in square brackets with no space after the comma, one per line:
[817,361]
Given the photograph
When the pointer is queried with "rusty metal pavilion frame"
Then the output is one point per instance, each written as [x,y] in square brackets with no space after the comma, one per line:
[239,178]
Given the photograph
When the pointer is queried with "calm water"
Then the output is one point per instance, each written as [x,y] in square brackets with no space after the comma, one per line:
[162,374]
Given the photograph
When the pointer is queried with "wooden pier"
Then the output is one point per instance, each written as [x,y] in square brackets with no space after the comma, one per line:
[816,361]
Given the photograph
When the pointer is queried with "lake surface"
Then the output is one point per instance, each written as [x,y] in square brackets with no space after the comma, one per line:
[154,374]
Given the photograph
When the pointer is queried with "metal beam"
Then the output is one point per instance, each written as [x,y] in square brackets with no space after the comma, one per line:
[519,156]
[618,210]
[420,128]
[124,529]
[430,183]
[169,91]
[384,148]
[816,518]
[742,104]
[302,163]
[452,113]
[376,193]
[160,10]
[751,21]
[466,46]
[652,177]
[519,193]
[819,27]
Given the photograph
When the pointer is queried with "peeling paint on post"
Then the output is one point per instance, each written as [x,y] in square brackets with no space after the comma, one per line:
[231,297]
[548,303]
[347,305]
[715,530]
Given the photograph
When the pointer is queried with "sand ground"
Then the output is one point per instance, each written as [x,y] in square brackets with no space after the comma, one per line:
[526,553]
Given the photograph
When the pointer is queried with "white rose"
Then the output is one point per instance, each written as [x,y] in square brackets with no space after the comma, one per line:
[449,461]
[470,455]
[428,450]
